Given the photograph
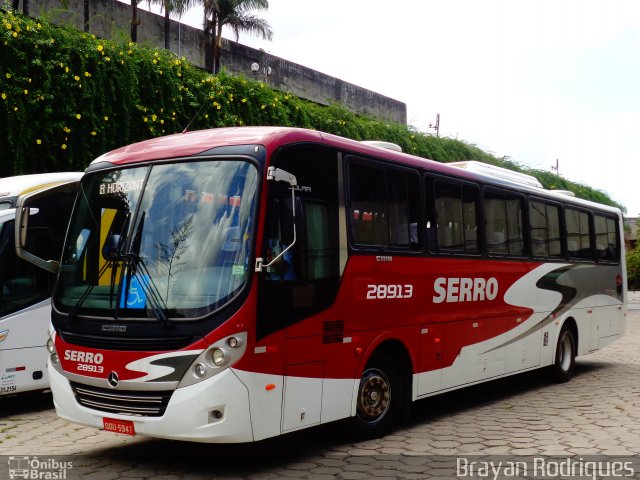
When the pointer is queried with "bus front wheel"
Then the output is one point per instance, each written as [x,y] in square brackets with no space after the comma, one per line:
[380,397]
[565,361]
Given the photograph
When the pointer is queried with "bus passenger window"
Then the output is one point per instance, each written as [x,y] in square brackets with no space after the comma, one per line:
[384,208]
[606,238]
[544,229]
[503,214]
[456,213]
[578,234]
[368,205]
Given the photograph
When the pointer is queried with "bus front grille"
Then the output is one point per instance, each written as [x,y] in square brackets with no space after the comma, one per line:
[127,402]
[127,343]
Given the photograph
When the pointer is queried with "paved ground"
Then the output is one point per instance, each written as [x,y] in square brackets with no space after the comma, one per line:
[597,413]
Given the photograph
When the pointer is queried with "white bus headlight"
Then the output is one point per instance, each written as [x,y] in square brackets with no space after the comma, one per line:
[218,357]
[50,345]
[199,370]
[215,359]
[54,359]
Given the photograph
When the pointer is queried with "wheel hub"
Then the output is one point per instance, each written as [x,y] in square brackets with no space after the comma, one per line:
[375,395]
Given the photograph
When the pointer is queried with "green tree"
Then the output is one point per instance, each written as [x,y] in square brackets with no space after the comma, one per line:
[236,14]
[633,267]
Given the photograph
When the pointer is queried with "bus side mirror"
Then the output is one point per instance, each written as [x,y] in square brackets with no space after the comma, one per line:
[279,175]
[25,209]
[112,247]
[22,227]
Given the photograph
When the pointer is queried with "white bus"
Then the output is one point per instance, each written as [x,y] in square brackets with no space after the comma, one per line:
[25,290]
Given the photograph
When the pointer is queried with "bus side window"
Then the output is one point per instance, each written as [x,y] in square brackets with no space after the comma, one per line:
[606,238]
[22,284]
[384,207]
[578,234]
[544,229]
[279,237]
[504,224]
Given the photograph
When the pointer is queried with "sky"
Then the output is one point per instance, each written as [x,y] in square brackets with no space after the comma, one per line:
[534,80]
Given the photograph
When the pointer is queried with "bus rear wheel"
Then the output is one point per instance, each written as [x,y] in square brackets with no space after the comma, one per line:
[380,397]
[565,361]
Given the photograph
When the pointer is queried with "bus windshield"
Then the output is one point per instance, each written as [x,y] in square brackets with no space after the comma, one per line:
[167,241]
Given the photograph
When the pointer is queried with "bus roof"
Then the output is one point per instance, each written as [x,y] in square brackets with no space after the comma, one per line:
[196,142]
[15,186]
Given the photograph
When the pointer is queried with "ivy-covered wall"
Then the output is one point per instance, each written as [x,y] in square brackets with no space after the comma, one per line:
[66,97]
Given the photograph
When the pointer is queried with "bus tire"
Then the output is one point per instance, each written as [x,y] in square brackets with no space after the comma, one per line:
[380,397]
[565,361]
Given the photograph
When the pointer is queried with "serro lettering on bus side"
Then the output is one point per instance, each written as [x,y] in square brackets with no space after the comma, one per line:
[456,289]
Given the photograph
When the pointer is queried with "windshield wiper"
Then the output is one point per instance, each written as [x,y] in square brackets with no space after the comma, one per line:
[110,263]
[114,255]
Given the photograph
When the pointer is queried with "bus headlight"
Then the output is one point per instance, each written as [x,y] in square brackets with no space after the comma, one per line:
[54,359]
[199,370]
[215,359]
[50,345]
[218,357]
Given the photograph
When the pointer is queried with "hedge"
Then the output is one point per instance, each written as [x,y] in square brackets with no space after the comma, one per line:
[66,97]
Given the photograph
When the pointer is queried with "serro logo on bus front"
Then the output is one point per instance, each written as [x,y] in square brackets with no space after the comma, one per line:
[83,357]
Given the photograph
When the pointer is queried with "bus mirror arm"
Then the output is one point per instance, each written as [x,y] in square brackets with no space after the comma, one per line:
[22,222]
[279,175]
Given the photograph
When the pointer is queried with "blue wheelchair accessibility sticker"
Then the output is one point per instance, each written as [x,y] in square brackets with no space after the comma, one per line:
[133,295]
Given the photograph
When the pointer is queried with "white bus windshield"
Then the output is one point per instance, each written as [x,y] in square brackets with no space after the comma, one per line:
[168,241]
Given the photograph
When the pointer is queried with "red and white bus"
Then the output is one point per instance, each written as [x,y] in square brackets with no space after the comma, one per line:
[236,284]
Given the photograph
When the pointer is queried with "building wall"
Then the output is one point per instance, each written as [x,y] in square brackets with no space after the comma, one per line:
[110,18]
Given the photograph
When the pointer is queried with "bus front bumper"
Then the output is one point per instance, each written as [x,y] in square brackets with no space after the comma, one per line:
[215,410]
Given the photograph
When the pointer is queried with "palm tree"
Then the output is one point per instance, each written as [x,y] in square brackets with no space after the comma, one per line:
[170,6]
[86,15]
[236,15]
[135,21]
[25,6]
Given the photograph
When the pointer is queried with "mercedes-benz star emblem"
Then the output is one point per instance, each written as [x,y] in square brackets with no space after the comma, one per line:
[113,379]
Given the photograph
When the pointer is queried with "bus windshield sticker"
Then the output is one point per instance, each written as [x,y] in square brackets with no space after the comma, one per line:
[237,270]
[134,293]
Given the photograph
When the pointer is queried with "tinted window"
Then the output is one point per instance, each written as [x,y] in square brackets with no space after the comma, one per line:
[606,238]
[383,207]
[368,205]
[578,233]
[456,225]
[19,285]
[544,227]
[503,215]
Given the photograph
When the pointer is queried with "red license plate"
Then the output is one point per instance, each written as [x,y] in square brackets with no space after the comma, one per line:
[118,426]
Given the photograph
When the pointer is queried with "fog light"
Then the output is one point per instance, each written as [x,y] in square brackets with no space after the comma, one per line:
[217,357]
[199,370]
[54,358]
[50,346]
[233,342]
